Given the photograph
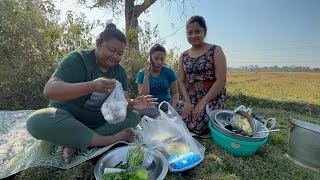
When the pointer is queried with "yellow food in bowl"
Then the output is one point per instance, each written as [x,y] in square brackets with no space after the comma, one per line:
[244,124]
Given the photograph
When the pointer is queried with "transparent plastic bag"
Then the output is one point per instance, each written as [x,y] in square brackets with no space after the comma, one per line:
[169,134]
[243,108]
[114,109]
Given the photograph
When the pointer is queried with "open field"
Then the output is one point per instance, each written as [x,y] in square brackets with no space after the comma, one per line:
[278,95]
[280,86]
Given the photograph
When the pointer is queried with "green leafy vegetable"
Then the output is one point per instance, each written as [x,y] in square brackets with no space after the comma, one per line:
[126,175]
[135,156]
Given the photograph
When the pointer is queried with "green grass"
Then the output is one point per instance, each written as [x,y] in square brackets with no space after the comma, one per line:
[269,162]
[279,95]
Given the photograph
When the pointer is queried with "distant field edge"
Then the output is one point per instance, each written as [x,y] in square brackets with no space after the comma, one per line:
[299,107]
[275,72]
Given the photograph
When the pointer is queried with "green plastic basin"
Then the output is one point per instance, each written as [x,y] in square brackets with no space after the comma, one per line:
[234,146]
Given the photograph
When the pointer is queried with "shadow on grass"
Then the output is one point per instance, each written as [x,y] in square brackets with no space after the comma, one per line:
[298,107]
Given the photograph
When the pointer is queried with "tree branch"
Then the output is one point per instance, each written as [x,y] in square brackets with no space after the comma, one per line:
[142,7]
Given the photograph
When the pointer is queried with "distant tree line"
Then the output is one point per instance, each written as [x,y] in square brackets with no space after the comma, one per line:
[256,68]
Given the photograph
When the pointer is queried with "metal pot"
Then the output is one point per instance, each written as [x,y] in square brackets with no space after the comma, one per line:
[304,142]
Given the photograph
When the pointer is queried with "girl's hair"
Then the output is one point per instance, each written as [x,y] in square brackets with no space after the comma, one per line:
[110,32]
[157,47]
[200,20]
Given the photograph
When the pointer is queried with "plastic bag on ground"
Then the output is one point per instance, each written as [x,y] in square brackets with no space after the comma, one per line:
[169,134]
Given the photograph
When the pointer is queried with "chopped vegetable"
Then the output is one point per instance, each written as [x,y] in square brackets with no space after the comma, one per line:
[118,176]
[139,174]
[135,158]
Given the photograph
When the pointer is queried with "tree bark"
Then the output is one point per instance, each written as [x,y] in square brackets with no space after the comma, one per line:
[132,13]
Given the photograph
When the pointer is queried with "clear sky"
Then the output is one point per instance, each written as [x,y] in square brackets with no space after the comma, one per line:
[251,32]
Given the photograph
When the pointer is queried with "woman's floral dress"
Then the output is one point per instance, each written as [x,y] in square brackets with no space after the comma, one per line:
[196,70]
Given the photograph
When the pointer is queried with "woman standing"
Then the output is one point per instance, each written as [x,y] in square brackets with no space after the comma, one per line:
[202,77]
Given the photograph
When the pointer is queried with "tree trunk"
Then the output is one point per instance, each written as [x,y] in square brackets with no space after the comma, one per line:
[131,18]
[132,13]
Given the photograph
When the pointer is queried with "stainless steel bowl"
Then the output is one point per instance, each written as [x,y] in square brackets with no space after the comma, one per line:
[220,121]
[118,155]
[253,138]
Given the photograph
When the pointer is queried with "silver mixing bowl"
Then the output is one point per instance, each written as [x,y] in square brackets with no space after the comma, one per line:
[220,122]
[118,155]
